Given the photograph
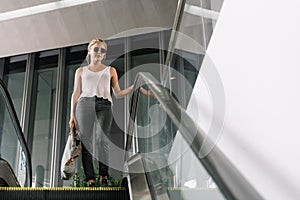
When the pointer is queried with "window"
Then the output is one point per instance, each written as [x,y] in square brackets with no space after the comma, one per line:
[14,75]
[43,107]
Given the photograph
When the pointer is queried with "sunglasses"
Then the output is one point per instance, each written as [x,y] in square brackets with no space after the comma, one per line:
[102,50]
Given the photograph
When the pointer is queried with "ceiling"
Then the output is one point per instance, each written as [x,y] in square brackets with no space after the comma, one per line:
[9,5]
[65,23]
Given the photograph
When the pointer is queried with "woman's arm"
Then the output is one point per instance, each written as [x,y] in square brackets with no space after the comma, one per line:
[115,85]
[75,95]
[147,93]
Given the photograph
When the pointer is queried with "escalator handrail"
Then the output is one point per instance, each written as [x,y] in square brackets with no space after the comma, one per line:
[229,180]
[173,36]
[18,129]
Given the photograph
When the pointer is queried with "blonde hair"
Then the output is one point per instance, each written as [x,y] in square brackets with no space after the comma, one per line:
[92,42]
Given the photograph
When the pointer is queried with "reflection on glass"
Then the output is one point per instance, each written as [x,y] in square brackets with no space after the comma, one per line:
[195,30]
[198,21]
[71,76]
[186,67]
[169,162]
[190,174]
[154,128]
[43,126]
[14,76]
[154,134]
[75,58]
[10,147]
[15,87]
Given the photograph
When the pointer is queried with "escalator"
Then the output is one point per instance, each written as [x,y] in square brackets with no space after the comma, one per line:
[152,171]
[167,155]
[15,162]
[157,169]
[16,169]
[163,158]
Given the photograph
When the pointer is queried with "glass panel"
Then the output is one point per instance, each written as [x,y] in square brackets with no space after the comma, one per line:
[154,128]
[115,49]
[184,72]
[197,23]
[154,135]
[116,58]
[15,86]
[10,146]
[75,59]
[14,80]
[196,27]
[190,176]
[145,41]
[144,51]
[45,90]
[71,74]
[170,163]
[195,30]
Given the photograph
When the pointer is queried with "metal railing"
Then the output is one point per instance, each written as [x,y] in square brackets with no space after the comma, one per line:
[229,180]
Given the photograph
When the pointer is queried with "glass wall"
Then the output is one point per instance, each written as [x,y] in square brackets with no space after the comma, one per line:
[75,58]
[168,163]
[10,148]
[191,42]
[145,57]
[198,21]
[145,54]
[139,53]
[116,57]
[185,68]
[45,76]
[14,76]
[195,30]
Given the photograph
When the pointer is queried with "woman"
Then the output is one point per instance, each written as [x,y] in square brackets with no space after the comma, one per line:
[91,102]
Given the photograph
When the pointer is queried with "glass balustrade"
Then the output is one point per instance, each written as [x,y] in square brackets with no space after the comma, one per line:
[12,144]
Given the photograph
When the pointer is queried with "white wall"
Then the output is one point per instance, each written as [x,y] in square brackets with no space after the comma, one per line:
[255,48]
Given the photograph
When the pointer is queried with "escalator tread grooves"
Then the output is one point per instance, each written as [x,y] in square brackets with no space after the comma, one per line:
[49,194]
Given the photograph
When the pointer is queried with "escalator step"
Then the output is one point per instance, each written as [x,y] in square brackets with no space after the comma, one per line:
[63,193]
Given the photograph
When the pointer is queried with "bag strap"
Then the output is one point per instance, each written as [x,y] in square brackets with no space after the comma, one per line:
[75,156]
[72,132]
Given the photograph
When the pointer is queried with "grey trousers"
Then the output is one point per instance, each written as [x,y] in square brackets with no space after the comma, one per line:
[94,118]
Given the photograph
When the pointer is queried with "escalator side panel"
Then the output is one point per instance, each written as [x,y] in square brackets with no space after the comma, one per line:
[7,176]
[138,185]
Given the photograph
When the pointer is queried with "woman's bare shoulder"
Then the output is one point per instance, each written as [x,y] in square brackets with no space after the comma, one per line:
[79,70]
[112,69]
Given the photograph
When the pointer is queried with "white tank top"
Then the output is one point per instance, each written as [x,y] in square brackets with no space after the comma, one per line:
[96,83]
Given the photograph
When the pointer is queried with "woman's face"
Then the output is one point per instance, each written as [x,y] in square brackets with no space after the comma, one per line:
[97,52]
